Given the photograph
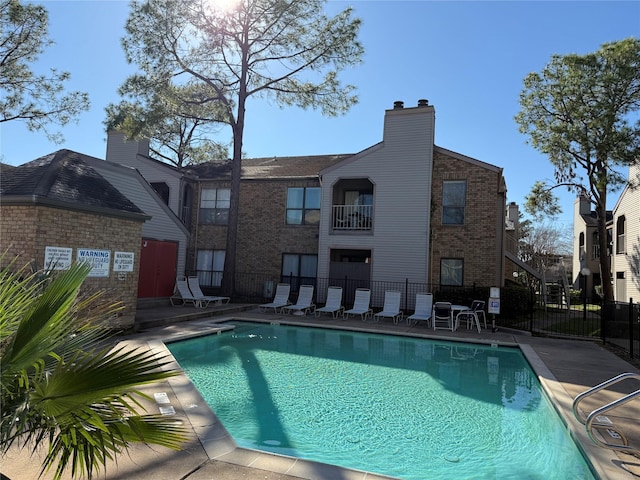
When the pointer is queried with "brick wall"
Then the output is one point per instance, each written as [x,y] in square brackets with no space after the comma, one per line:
[263,235]
[476,241]
[27,230]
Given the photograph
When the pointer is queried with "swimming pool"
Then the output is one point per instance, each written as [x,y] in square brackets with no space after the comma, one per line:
[404,407]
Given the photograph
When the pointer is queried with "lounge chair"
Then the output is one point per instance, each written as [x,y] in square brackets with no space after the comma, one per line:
[333,304]
[280,300]
[391,307]
[305,301]
[423,311]
[182,295]
[205,300]
[442,316]
[360,304]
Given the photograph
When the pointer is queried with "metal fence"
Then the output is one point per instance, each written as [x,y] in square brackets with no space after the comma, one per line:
[614,323]
[257,288]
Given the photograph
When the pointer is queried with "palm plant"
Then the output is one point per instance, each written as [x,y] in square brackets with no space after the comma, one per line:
[60,384]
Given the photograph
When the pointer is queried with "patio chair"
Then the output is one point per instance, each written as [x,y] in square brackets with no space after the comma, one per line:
[391,307]
[360,304]
[472,315]
[442,316]
[182,295]
[280,300]
[423,311]
[305,303]
[333,304]
[205,300]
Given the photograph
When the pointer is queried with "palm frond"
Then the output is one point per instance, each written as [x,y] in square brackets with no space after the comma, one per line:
[57,385]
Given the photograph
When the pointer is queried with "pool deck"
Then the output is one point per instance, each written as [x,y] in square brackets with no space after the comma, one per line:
[565,367]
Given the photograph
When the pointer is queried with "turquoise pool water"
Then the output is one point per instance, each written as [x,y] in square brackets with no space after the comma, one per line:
[404,407]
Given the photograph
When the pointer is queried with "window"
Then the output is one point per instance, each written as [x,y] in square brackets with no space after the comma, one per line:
[451,271]
[299,269]
[303,206]
[210,265]
[214,206]
[621,245]
[595,246]
[454,195]
[162,189]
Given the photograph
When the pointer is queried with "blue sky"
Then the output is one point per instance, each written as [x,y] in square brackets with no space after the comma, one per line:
[467,58]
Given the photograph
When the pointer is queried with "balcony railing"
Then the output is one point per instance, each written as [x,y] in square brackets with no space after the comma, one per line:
[352,217]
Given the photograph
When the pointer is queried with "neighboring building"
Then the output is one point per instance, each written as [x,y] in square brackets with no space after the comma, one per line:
[57,209]
[403,209]
[75,203]
[625,227]
[586,249]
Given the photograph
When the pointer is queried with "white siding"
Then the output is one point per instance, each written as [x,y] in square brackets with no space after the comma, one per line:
[400,169]
[163,225]
[134,154]
[629,206]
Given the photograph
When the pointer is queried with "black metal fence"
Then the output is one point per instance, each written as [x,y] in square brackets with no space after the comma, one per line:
[258,288]
[615,323]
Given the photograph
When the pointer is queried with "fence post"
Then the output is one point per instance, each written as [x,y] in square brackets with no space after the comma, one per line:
[406,292]
[603,321]
[532,311]
[631,327]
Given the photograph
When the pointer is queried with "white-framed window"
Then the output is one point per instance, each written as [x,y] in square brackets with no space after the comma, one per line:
[210,265]
[454,196]
[451,271]
[303,205]
[621,245]
[214,206]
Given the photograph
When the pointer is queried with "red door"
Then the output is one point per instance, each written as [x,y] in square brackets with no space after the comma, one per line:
[158,262]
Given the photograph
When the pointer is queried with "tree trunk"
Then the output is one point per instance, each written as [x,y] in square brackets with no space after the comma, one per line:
[605,260]
[228,277]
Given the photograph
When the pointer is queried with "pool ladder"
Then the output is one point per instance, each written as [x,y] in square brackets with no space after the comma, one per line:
[596,421]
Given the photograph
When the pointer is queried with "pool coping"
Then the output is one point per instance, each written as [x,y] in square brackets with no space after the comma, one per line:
[220,446]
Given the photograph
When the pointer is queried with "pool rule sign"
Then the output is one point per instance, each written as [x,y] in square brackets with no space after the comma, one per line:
[494,306]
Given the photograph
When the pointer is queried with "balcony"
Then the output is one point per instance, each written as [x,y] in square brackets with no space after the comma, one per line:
[352,217]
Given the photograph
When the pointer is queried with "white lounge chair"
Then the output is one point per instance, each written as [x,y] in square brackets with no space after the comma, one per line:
[280,300]
[182,295]
[423,311]
[305,301]
[443,316]
[360,304]
[333,304]
[205,300]
[391,307]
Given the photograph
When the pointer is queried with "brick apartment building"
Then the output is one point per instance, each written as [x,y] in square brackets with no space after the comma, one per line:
[403,209]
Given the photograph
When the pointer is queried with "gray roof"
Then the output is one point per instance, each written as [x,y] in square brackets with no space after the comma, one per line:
[64,179]
[591,219]
[268,168]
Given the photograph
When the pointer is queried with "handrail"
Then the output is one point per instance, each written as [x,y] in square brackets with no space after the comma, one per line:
[597,388]
[599,411]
